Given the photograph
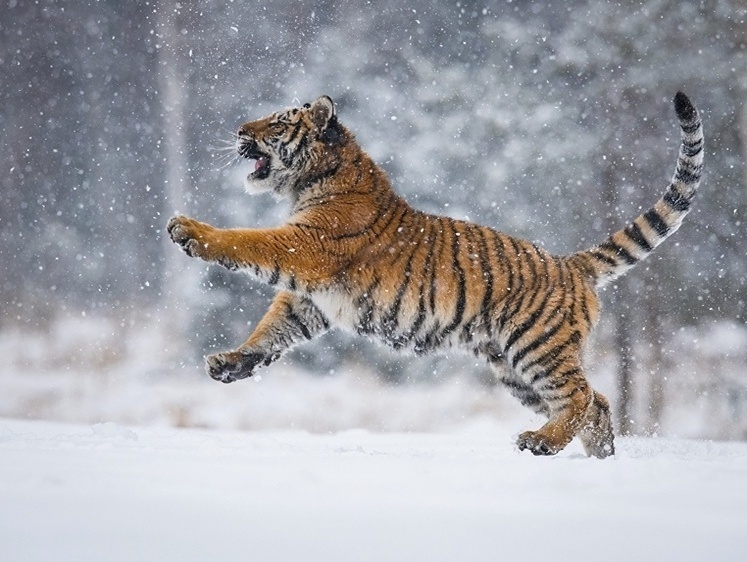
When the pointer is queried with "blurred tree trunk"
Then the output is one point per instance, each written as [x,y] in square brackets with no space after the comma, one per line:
[657,366]
[623,343]
[622,331]
[173,72]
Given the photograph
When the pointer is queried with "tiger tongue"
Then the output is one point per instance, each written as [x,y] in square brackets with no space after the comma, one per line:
[260,163]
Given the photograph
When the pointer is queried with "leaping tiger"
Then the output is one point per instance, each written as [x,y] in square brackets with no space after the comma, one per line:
[355,255]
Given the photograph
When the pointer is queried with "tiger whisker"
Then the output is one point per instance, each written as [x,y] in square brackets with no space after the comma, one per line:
[224,153]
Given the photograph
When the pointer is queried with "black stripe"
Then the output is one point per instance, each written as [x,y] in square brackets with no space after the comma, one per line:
[691,128]
[499,249]
[433,262]
[487,275]
[584,309]
[558,397]
[318,177]
[322,318]
[531,264]
[691,149]
[566,284]
[634,232]
[543,260]
[525,394]
[420,318]
[468,330]
[522,299]
[603,257]
[301,146]
[686,176]
[543,339]
[364,304]
[293,135]
[315,200]
[391,321]
[578,296]
[551,358]
[490,351]
[366,230]
[461,302]
[516,296]
[676,200]
[612,246]
[294,319]
[474,258]
[559,381]
[407,336]
[275,277]
[654,220]
[544,278]
[526,325]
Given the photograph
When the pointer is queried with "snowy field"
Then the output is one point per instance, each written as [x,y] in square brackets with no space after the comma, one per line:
[111,492]
[128,461]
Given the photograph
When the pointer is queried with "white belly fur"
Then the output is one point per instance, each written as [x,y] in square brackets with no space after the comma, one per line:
[338,308]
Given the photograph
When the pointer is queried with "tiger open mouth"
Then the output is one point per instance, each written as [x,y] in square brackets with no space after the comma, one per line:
[261,160]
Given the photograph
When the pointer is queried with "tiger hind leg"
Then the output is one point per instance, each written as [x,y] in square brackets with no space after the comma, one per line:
[524,393]
[574,409]
[596,434]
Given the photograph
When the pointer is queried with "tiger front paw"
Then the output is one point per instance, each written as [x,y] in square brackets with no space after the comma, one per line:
[192,236]
[231,366]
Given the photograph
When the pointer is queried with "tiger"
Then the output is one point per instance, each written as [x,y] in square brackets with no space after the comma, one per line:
[355,255]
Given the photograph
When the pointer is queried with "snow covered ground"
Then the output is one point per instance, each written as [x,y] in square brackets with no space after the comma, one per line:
[111,492]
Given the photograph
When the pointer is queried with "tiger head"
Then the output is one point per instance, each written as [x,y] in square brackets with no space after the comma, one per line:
[291,148]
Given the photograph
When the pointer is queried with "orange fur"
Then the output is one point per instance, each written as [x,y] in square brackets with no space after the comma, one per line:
[355,255]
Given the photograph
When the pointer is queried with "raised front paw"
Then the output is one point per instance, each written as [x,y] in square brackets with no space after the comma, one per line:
[191,235]
[537,443]
[231,366]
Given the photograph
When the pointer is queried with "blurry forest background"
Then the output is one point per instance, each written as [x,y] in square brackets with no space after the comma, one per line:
[550,120]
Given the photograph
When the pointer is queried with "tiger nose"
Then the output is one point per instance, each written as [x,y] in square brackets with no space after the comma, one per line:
[243,130]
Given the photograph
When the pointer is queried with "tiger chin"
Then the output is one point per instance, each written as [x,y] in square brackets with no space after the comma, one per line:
[354,255]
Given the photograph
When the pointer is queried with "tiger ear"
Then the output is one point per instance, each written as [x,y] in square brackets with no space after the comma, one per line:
[322,112]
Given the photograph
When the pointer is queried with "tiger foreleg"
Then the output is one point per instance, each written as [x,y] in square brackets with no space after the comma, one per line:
[230,366]
[201,240]
[284,256]
[291,319]
[196,238]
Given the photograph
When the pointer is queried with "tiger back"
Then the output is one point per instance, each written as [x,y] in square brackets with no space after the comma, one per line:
[354,255]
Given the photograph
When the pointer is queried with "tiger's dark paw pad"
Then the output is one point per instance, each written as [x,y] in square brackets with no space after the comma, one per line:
[231,366]
[535,443]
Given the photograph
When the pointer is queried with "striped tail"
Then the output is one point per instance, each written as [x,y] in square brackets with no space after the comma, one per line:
[626,247]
